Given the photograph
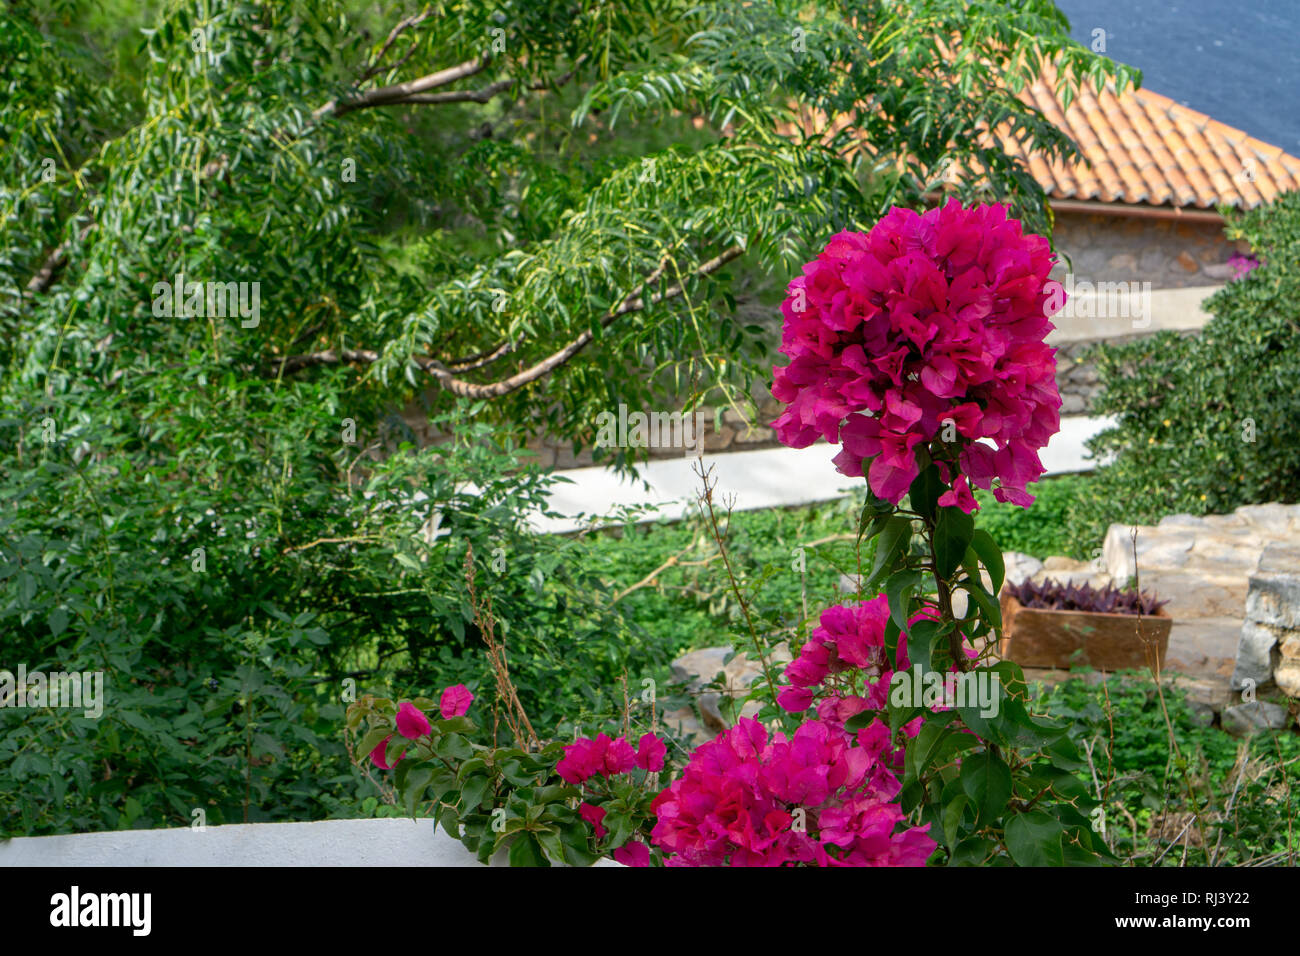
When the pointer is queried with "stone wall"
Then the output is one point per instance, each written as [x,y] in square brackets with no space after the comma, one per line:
[1165,252]
[1269,651]
[1076,377]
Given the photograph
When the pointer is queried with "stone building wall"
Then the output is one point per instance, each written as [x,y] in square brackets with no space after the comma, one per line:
[1165,252]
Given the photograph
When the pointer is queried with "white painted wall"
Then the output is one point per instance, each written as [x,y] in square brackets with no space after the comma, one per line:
[324,843]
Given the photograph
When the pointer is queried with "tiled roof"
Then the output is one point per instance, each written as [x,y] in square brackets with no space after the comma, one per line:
[1145,148]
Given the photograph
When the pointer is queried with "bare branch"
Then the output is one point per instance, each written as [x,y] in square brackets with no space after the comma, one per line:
[407,23]
[397,92]
[55,261]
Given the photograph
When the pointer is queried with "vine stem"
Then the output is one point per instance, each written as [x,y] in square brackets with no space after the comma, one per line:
[945,602]
[707,497]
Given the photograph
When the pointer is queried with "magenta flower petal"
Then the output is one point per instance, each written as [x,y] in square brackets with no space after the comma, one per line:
[455,701]
[378,755]
[411,722]
[634,853]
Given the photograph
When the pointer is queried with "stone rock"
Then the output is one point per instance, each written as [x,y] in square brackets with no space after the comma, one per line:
[1154,549]
[1287,677]
[1067,570]
[1201,713]
[717,441]
[714,721]
[1221,551]
[1271,518]
[1020,566]
[848,584]
[1274,598]
[1196,592]
[686,725]
[1206,645]
[1245,719]
[1280,557]
[754,435]
[699,667]
[1256,656]
[1182,521]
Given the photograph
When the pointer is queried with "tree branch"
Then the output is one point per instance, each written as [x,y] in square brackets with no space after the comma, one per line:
[55,261]
[397,92]
[634,303]
[377,65]
[446,374]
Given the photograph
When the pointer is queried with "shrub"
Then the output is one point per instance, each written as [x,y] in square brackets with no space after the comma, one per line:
[1207,422]
[1042,530]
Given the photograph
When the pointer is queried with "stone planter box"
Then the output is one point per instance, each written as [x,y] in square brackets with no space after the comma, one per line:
[1033,637]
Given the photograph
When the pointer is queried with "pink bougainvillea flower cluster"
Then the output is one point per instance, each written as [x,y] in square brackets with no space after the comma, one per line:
[848,637]
[586,758]
[819,798]
[413,723]
[929,326]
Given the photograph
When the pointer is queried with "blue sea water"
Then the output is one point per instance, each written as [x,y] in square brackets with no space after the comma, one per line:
[1236,60]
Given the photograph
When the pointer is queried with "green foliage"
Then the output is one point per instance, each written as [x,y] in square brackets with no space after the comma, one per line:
[495,797]
[1040,530]
[1206,421]
[1245,791]
[181,509]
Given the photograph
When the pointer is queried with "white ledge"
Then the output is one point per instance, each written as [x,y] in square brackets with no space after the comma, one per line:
[389,842]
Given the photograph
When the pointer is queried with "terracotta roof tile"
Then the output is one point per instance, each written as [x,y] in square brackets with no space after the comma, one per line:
[1142,147]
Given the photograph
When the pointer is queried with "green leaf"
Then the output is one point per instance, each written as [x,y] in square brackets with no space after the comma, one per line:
[924,494]
[413,788]
[921,639]
[1034,839]
[952,817]
[991,555]
[472,793]
[899,590]
[952,536]
[527,851]
[990,610]
[372,740]
[893,543]
[922,748]
[986,780]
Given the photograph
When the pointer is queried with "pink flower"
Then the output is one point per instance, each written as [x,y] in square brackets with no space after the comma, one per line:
[593,815]
[584,758]
[378,756]
[619,757]
[926,320]
[455,701]
[633,853]
[411,722]
[735,802]
[650,753]
[959,496]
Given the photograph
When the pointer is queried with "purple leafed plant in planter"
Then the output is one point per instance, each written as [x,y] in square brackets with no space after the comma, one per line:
[1053,595]
[1057,625]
